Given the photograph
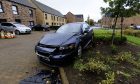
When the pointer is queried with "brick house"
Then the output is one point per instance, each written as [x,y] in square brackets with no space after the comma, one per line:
[74,18]
[21,11]
[48,16]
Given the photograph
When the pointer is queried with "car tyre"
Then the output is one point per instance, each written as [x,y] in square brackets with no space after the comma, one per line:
[44,29]
[17,32]
[79,51]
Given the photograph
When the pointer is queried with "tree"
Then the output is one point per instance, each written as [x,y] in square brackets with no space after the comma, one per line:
[90,21]
[120,9]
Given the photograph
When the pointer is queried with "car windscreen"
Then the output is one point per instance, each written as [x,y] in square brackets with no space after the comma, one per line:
[19,25]
[69,28]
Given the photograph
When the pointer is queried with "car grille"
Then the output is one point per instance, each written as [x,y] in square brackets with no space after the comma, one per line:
[47,46]
[27,29]
[44,54]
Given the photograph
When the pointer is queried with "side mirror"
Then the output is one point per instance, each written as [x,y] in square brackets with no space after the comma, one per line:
[86,30]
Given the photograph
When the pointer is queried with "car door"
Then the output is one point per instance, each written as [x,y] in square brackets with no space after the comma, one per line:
[85,35]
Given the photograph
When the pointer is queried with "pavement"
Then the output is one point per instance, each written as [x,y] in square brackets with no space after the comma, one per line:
[18,59]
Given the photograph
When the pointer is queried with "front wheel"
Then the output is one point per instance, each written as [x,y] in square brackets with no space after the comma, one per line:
[92,41]
[79,51]
[17,32]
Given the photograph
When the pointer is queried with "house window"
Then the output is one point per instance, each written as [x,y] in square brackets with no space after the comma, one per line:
[3,20]
[46,16]
[47,23]
[1,8]
[14,9]
[52,17]
[18,20]
[31,12]
[57,18]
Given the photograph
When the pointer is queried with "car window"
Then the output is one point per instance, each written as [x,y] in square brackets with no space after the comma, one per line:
[85,27]
[6,24]
[69,28]
[18,25]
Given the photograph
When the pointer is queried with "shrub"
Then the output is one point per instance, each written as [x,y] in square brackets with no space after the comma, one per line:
[124,57]
[107,39]
[132,32]
[91,66]
[79,65]
[110,78]
[96,66]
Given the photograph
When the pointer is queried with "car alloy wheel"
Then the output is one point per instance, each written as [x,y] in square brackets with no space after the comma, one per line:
[79,51]
[17,32]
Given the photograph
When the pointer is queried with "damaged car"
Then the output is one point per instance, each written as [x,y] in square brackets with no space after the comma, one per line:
[65,44]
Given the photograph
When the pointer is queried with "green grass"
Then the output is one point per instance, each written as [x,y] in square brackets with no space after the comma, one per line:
[131,39]
[134,40]
[102,32]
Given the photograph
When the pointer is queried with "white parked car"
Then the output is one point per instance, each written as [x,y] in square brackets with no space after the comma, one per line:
[19,28]
[137,27]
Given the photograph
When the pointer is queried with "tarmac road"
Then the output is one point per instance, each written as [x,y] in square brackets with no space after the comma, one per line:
[17,58]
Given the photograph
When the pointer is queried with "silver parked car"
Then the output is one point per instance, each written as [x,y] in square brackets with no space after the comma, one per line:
[7,27]
[19,28]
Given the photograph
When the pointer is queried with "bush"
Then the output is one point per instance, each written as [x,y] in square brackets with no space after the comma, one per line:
[91,66]
[132,32]
[107,39]
[124,57]
[110,78]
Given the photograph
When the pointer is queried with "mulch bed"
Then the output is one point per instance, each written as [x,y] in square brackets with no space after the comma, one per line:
[76,77]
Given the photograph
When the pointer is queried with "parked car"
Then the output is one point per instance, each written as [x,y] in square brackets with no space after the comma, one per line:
[7,27]
[41,27]
[137,27]
[67,42]
[96,27]
[19,28]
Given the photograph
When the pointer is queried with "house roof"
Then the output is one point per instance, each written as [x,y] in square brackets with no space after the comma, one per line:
[24,2]
[47,9]
[79,16]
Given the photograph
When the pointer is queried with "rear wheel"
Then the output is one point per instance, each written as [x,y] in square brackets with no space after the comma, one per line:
[17,32]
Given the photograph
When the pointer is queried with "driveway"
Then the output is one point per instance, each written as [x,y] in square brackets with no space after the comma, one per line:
[17,58]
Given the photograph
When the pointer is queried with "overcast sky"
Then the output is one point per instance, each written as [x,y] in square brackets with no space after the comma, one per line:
[86,7]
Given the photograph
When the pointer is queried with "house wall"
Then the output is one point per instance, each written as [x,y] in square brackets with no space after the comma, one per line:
[22,10]
[39,17]
[70,17]
[107,21]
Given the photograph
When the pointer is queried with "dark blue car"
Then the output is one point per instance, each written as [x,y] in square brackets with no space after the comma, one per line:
[68,41]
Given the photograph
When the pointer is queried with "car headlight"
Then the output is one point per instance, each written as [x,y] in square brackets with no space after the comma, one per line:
[70,46]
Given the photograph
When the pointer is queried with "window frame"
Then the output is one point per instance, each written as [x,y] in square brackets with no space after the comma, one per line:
[31,23]
[15,10]
[31,13]
[46,16]
[1,8]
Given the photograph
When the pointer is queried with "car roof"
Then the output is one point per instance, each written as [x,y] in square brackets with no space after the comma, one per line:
[78,23]
[9,22]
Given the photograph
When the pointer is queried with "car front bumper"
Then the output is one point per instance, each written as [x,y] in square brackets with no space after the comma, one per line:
[25,32]
[56,60]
